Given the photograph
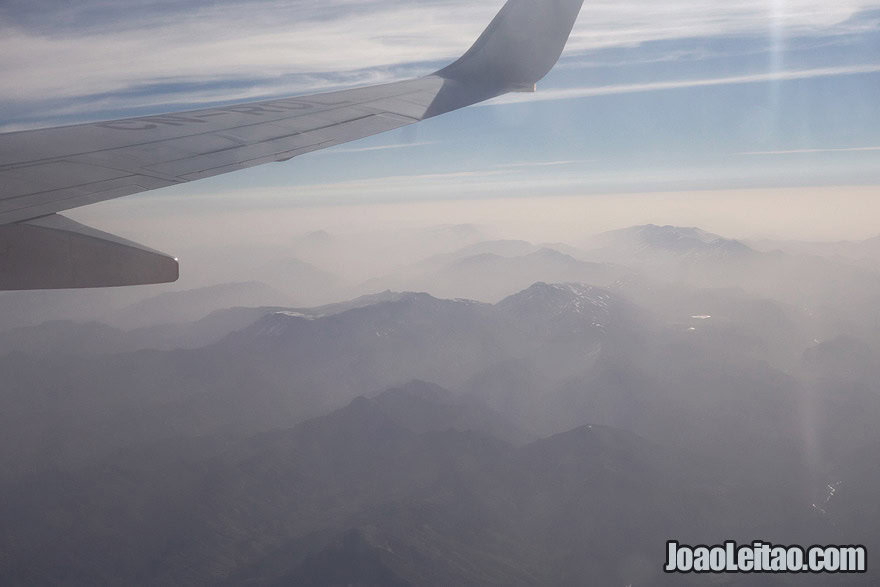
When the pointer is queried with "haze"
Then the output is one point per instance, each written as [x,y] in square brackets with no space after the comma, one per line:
[522,344]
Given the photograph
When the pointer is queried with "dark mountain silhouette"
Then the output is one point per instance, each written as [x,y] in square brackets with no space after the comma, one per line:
[350,561]
[547,359]
[355,498]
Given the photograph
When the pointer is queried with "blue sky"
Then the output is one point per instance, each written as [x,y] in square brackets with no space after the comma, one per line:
[680,95]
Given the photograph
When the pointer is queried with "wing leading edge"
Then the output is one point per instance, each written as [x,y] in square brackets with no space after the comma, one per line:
[46,171]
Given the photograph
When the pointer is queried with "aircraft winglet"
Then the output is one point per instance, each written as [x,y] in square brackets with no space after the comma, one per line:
[519,47]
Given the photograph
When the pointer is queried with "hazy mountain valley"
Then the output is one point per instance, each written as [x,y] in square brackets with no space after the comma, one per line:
[458,410]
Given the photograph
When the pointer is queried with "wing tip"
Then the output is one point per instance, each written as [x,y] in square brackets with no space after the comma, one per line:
[519,47]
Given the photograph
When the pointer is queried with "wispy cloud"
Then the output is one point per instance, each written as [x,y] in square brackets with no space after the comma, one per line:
[613,23]
[532,164]
[808,151]
[232,41]
[585,92]
[94,47]
[376,148]
[91,107]
[489,181]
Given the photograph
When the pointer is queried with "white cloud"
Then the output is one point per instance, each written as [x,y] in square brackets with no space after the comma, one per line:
[456,184]
[615,23]
[529,164]
[585,92]
[808,151]
[228,42]
[376,148]
[243,40]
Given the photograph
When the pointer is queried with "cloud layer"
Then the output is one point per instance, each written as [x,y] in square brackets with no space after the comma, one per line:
[146,49]
[772,76]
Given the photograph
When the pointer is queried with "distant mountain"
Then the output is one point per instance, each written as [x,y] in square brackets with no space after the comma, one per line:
[192,335]
[597,357]
[842,358]
[848,499]
[448,237]
[680,385]
[301,283]
[192,305]
[426,407]
[842,376]
[305,445]
[492,277]
[349,561]
[421,275]
[502,248]
[359,302]
[31,308]
[282,367]
[546,359]
[865,253]
[413,335]
[408,332]
[490,271]
[826,286]
[568,303]
[357,498]
[65,337]
[651,239]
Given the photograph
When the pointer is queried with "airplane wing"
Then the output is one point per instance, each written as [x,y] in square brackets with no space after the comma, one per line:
[46,171]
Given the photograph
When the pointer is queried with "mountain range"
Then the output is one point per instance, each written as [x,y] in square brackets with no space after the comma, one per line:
[399,489]
[654,383]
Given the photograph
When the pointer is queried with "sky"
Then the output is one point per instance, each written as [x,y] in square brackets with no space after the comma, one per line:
[673,98]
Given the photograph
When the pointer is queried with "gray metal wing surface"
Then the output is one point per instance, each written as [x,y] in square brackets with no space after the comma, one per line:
[46,171]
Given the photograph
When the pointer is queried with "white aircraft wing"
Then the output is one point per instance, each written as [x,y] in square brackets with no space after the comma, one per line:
[46,171]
